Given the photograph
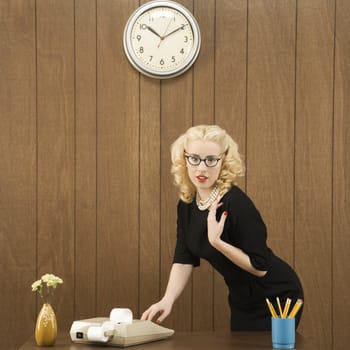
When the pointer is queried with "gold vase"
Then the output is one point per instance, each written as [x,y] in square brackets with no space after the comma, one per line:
[46,326]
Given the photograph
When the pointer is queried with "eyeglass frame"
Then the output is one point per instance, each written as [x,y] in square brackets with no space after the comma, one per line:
[188,155]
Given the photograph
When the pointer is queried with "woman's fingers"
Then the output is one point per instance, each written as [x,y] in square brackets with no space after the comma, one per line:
[214,207]
[153,311]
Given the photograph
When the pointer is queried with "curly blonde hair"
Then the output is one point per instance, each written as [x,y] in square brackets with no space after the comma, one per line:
[232,162]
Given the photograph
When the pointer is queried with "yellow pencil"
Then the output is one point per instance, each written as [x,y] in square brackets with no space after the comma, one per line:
[279,306]
[286,308]
[271,308]
[296,308]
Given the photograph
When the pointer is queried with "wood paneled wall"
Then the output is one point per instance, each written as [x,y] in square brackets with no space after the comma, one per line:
[85,186]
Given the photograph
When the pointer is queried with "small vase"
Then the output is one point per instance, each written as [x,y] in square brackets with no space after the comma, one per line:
[46,326]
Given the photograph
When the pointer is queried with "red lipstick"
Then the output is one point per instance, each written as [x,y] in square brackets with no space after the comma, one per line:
[201,178]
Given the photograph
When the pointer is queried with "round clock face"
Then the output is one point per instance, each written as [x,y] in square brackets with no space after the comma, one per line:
[162,39]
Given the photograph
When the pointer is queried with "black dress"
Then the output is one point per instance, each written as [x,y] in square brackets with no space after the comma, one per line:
[245,229]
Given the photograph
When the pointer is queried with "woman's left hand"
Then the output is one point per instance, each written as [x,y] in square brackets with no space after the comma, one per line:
[215,228]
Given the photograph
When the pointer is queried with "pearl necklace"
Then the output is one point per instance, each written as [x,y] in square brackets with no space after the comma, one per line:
[203,205]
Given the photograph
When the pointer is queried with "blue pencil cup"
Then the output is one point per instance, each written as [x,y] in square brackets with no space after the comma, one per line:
[283,333]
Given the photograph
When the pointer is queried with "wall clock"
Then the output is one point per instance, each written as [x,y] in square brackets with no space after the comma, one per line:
[162,39]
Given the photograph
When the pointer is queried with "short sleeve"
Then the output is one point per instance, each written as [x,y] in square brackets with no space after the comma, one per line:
[251,233]
[182,254]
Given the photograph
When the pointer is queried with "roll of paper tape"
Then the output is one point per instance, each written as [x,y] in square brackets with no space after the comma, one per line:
[97,334]
[121,316]
[108,328]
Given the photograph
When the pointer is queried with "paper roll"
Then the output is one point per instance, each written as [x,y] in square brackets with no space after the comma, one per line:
[121,316]
[108,328]
[97,334]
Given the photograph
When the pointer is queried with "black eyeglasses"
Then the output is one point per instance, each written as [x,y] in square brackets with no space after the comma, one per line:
[195,160]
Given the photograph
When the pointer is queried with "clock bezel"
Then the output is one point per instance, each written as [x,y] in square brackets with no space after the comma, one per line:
[149,71]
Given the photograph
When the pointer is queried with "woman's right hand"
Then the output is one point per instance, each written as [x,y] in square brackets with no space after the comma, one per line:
[162,309]
[179,276]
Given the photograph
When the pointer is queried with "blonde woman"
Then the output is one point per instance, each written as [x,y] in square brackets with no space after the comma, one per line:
[218,222]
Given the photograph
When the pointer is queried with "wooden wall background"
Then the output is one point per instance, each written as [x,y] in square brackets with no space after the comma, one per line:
[85,189]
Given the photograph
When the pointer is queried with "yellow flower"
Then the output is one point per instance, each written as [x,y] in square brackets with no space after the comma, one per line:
[36,285]
[49,281]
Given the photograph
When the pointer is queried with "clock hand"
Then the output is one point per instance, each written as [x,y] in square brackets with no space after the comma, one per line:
[154,32]
[166,29]
[175,30]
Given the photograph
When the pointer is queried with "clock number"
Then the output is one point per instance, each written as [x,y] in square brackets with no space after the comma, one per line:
[172,58]
[186,39]
[141,49]
[150,58]
[143,27]
[138,37]
[182,51]
[161,62]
